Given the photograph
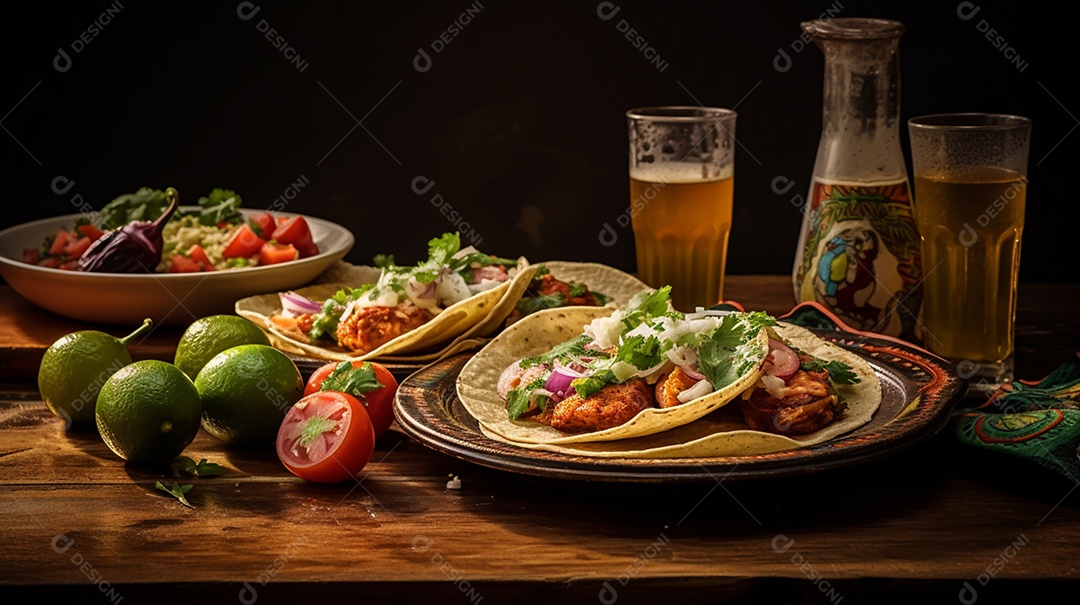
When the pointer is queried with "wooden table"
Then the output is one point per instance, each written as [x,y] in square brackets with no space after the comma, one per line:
[935,522]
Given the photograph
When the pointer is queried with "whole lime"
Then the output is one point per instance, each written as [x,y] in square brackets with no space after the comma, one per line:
[148,412]
[211,335]
[75,367]
[245,392]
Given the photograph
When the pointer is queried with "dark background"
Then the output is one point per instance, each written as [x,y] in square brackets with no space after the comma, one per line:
[519,120]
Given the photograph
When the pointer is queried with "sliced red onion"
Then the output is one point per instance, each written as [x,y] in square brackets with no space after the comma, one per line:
[781,361]
[558,384]
[294,304]
[693,373]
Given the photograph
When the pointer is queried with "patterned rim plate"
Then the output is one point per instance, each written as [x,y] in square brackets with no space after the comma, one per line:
[919,391]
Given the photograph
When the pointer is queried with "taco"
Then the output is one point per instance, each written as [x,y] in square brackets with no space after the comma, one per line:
[647,381]
[446,304]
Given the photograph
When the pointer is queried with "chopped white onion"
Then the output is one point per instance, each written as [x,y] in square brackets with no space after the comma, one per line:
[774,385]
[700,389]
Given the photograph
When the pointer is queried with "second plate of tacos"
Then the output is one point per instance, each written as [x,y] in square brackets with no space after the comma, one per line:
[648,382]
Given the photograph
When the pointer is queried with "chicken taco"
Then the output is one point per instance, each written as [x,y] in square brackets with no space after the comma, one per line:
[647,381]
[446,304]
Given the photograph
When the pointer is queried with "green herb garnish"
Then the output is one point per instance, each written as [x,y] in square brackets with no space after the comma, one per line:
[176,491]
[352,380]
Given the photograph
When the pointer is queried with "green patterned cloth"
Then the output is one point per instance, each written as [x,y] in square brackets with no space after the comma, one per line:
[1039,422]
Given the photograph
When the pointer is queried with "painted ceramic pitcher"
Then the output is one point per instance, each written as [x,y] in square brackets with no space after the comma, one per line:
[858,251]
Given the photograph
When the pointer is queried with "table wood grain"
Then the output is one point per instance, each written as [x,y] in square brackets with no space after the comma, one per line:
[935,522]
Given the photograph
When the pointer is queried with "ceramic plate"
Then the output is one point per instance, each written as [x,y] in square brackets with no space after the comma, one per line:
[173,298]
[918,392]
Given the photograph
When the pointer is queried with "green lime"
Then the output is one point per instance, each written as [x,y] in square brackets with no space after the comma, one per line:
[211,335]
[246,391]
[74,368]
[148,412]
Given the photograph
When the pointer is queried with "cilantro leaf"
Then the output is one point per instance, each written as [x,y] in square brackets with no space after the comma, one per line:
[183,465]
[531,304]
[352,380]
[639,351]
[587,385]
[221,206]
[440,251]
[647,305]
[146,204]
[176,491]
[517,400]
[729,351]
[839,372]
[564,351]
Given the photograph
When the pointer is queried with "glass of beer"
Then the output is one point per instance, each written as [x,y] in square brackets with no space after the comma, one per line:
[970,192]
[682,181]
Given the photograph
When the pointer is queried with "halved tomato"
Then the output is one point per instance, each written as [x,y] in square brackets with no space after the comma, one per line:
[263,224]
[296,231]
[354,378]
[326,437]
[244,244]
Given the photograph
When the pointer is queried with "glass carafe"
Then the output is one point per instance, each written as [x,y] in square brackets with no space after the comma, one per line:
[858,252]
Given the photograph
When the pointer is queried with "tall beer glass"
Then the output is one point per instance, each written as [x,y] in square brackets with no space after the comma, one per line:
[970,192]
[682,181]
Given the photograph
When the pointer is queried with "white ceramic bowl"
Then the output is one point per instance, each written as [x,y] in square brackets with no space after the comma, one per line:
[168,299]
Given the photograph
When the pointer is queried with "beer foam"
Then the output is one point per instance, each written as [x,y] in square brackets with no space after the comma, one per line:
[681,172]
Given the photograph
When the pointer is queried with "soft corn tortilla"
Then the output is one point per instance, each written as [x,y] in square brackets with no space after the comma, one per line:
[478,381]
[461,327]
[457,322]
[718,432]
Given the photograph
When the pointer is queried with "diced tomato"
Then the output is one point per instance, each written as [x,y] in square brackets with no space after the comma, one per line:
[31,256]
[272,253]
[70,265]
[62,239]
[76,247]
[296,231]
[182,264]
[91,231]
[53,262]
[244,244]
[263,224]
[198,255]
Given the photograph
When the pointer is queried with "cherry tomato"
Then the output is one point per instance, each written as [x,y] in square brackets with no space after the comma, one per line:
[263,224]
[379,402]
[244,244]
[296,231]
[326,437]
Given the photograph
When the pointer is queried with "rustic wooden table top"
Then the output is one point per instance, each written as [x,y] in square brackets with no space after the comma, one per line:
[935,521]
